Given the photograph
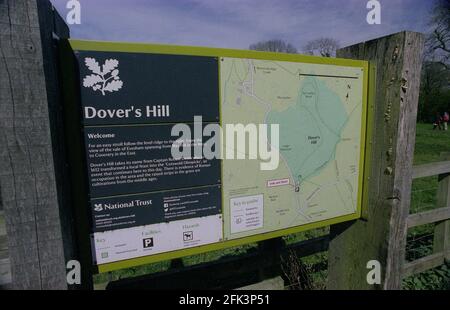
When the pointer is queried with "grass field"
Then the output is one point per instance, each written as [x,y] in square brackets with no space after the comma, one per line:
[429,146]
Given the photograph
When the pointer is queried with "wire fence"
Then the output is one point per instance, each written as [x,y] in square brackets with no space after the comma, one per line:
[423,198]
[420,239]
[308,273]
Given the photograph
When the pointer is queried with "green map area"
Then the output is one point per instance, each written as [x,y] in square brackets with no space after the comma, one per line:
[319,110]
[311,129]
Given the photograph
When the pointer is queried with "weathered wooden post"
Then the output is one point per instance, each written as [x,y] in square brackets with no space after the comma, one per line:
[31,164]
[381,235]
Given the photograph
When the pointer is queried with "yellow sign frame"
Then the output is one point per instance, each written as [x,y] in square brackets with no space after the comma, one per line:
[81,45]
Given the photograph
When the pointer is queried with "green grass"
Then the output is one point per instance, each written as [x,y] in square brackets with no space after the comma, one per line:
[429,146]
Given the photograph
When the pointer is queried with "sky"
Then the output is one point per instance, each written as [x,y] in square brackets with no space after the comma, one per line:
[239,23]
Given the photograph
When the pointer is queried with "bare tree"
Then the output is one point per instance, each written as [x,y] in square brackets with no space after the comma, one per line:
[438,42]
[433,87]
[436,66]
[433,78]
[325,47]
[275,45]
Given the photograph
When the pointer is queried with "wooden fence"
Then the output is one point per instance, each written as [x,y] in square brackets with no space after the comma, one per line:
[439,216]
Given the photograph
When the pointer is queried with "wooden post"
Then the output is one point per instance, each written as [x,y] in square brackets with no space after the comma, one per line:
[29,164]
[442,230]
[381,235]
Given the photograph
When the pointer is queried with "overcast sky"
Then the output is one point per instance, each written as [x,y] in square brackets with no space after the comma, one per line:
[239,23]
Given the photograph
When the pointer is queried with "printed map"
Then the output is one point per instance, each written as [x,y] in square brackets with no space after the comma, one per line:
[319,109]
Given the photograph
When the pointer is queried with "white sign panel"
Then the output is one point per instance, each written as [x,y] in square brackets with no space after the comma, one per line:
[122,244]
[247,213]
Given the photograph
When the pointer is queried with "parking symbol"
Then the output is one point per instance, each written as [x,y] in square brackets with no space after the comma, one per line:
[148,243]
[188,236]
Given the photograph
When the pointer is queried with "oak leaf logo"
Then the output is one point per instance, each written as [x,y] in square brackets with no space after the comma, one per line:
[104,78]
[98,207]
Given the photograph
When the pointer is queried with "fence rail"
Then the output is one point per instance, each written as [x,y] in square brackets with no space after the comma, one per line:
[423,264]
[428,217]
[430,170]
